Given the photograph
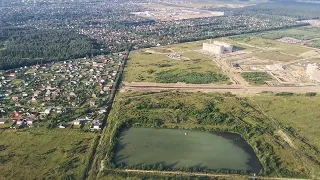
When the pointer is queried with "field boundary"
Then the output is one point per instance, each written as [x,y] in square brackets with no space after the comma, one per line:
[201,174]
[237,89]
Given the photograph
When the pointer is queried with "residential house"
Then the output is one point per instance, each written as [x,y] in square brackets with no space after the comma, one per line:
[3,121]
[81,121]
[48,110]
[19,120]
[97,125]
[12,75]
[77,122]
[15,98]
[102,110]
[61,126]
[58,110]
[30,120]
[33,99]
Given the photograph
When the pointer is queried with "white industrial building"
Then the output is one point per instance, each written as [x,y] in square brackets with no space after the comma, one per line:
[222,13]
[313,72]
[217,47]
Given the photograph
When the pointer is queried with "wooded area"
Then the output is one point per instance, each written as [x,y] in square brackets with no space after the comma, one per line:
[21,47]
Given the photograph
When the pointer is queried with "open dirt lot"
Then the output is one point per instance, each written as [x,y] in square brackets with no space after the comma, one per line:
[236,89]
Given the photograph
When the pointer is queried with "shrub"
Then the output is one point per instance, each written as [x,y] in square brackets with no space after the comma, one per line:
[311,94]
[285,94]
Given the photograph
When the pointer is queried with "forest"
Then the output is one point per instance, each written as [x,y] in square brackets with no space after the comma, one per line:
[22,46]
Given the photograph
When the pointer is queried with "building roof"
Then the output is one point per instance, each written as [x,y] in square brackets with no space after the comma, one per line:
[18,118]
[3,120]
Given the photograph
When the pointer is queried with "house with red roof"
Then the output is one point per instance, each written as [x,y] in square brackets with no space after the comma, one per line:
[12,74]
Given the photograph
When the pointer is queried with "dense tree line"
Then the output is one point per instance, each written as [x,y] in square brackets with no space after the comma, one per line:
[20,47]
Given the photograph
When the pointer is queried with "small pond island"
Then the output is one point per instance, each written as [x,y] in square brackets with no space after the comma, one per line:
[175,148]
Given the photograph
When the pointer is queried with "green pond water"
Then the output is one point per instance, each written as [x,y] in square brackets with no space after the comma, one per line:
[174,148]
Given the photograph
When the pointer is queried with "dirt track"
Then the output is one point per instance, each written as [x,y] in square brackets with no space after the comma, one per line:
[204,174]
[236,89]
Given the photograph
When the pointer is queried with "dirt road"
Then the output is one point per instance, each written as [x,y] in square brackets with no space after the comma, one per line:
[236,89]
[204,174]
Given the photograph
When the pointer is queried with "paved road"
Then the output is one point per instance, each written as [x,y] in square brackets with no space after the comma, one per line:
[236,89]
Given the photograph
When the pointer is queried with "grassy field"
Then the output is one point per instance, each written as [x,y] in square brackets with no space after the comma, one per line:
[114,175]
[39,153]
[216,112]
[275,56]
[301,33]
[252,40]
[314,43]
[256,78]
[308,34]
[297,112]
[150,65]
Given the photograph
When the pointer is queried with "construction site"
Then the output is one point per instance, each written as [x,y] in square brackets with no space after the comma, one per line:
[272,57]
[217,47]
[243,64]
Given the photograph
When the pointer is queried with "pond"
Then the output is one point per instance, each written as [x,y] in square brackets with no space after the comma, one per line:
[175,148]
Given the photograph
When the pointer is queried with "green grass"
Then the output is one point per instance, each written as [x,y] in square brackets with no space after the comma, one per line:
[41,153]
[215,112]
[176,75]
[7,125]
[16,81]
[149,65]
[290,49]
[301,33]
[116,175]
[256,78]
[314,43]
[298,112]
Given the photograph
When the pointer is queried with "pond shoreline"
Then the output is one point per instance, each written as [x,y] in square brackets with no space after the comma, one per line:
[184,148]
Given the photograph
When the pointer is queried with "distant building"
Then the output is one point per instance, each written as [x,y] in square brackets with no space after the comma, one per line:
[12,75]
[48,110]
[222,13]
[97,125]
[313,72]
[217,47]
[77,122]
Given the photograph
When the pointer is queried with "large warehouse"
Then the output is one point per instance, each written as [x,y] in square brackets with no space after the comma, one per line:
[217,47]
